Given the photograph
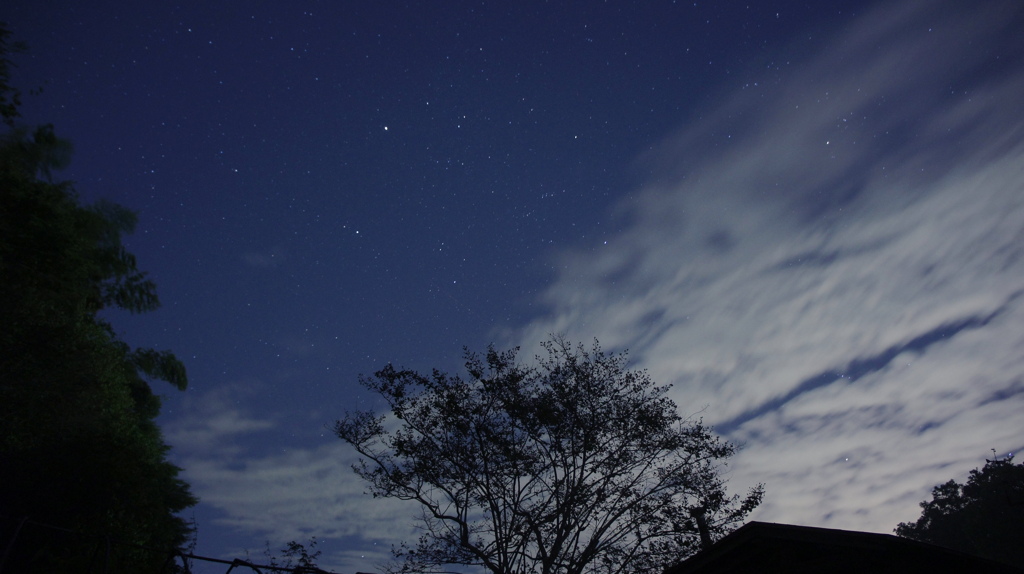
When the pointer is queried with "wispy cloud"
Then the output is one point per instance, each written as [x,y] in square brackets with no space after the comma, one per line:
[214,423]
[281,494]
[831,262]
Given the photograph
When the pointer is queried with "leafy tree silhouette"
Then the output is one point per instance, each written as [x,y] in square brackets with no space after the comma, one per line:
[984,516]
[570,466]
[79,446]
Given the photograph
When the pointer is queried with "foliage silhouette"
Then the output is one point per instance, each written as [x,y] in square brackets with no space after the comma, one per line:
[572,466]
[295,557]
[10,95]
[78,443]
[984,516]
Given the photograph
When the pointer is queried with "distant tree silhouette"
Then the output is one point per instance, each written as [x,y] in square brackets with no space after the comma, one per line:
[295,556]
[79,447]
[575,465]
[984,516]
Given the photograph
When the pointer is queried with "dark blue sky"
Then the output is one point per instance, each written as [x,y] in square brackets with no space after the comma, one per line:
[746,194]
[387,181]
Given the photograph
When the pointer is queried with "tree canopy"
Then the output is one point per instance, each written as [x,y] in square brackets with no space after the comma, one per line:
[79,448]
[984,516]
[573,465]
[10,95]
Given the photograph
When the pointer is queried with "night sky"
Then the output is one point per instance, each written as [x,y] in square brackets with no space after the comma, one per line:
[806,216]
